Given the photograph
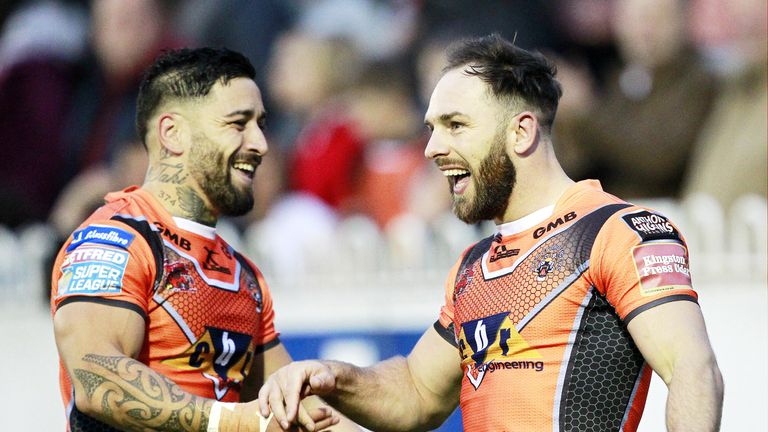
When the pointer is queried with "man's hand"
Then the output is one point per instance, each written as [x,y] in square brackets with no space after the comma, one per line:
[245,417]
[284,389]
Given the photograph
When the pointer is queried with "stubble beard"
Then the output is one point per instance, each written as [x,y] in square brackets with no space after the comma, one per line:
[210,170]
[493,186]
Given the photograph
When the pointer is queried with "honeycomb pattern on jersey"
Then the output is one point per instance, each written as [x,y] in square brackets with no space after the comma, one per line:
[606,364]
[535,277]
[544,269]
[79,422]
[186,291]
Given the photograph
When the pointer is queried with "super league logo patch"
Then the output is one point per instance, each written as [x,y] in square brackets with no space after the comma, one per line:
[93,269]
[651,226]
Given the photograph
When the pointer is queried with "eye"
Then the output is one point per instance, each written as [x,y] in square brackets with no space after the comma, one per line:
[239,124]
[262,123]
[455,125]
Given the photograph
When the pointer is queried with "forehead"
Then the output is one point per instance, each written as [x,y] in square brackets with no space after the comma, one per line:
[459,92]
[236,94]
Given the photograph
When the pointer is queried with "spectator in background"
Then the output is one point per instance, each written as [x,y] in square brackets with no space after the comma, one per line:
[387,117]
[125,38]
[39,47]
[247,26]
[319,146]
[637,140]
[731,154]
[587,37]
[307,75]
[528,22]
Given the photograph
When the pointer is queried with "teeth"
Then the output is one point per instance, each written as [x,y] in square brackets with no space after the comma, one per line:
[244,166]
[455,172]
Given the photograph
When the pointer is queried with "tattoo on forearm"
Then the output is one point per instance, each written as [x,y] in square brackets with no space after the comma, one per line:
[134,397]
[168,173]
[193,206]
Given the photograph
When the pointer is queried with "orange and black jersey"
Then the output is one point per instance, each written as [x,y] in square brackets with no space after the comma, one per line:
[207,309]
[538,313]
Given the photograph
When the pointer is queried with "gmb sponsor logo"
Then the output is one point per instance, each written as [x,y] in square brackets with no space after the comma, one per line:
[221,356]
[176,239]
[562,220]
[493,344]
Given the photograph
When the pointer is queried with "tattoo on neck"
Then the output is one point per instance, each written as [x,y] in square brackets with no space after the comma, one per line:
[164,153]
[193,207]
[168,173]
[133,397]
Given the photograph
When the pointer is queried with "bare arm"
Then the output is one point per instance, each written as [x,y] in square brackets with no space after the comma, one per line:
[673,339]
[268,362]
[414,393]
[98,345]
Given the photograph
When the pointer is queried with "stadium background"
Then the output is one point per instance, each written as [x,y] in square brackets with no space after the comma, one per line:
[352,228]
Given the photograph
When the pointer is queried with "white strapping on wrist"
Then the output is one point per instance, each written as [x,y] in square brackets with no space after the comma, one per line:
[215,414]
[264,421]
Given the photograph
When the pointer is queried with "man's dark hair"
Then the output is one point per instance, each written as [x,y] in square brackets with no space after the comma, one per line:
[186,74]
[512,73]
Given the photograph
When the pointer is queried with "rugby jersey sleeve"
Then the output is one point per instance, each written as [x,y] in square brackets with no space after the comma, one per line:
[104,262]
[268,335]
[640,260]
[445,318]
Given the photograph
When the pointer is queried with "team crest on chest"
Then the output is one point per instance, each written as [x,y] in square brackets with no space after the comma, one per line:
[547,262]
[178,278]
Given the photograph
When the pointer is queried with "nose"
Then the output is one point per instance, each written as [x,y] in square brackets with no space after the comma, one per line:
[435,147]
[256,141]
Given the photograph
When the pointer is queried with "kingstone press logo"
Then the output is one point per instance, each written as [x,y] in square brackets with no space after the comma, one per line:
[661,267]
[492,344]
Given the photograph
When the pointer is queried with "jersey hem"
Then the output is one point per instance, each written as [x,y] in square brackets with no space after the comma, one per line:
[645,307]
[271,344]
[105,301]
[445,333]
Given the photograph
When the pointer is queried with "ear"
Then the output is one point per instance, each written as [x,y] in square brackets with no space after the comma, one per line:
[170,133]
[523,132]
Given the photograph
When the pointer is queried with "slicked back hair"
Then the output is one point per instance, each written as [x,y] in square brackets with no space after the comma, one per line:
[513,74]
[186,74]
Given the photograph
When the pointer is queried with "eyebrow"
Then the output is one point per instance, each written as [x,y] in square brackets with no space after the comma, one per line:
[246,113]
[445,117]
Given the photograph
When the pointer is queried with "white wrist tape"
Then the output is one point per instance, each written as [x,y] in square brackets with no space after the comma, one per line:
[215,414]
[264,421]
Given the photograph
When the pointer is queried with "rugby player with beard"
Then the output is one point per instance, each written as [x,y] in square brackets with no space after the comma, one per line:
[555,322]
[159,323]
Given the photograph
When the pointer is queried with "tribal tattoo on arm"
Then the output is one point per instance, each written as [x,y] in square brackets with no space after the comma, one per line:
[131,396]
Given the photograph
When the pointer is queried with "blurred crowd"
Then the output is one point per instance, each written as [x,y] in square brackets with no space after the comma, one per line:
[662,98]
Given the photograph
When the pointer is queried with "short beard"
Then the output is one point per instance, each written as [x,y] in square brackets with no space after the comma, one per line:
[493,186]
[211,172]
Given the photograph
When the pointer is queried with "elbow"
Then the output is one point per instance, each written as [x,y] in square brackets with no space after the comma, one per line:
[711,371]
[432,418]
[717,379]
[86,406]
